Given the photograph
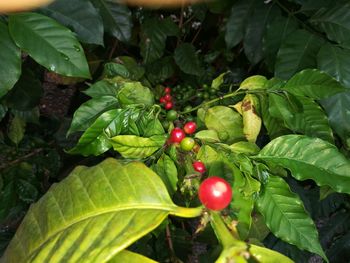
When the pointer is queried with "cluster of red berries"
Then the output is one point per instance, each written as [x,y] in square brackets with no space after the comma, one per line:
[167,99]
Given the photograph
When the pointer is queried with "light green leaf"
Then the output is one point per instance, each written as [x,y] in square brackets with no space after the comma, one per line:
[286,217]
[253,82]
[335,23]
[88,112]
[63,54]
[80,16]
[95,140]
[240,14]
[16,130]
[135,93]
[105,87]
[245,147]
[207,155]
[226,122]
[10,57]
[167,171]
[216,83]
[186,58]
[297,52]
[77,222]
[127,256]
[310,158]
[116,18]
[265,255]
[314,84]
[207,136]
[134,147]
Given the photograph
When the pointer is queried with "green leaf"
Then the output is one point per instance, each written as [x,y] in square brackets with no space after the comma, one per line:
[136,71]
[314,84]
[235,28]
[105,87]
[116,18]
[83,223]
[31,115]
[186,58]
[335,23]
[80,16]
[135,93]
[276,33]
[336,62]
[286,217]
[114,69]
[149,125]
[63,54]
[255,28]
[88,112]
[226,122]
[10,57]
[265,255]
[253,82]
[127,256]
[3,111]
[95,140]
[245,147]
[134,147]
[207,136]
[28,88]
[297,52]
[161,69]
[280,108]
[207,155]
[26,191]
[167,171]
[310,158]
[16,130]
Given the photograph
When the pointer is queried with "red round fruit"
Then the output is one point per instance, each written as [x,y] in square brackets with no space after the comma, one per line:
[168,105]
[167,90]
[162,100]
[215,193]
[177,135]
[167,97]
[190,127]
[199,167]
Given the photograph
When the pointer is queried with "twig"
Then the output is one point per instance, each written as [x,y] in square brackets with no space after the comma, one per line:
[114,47]
[168,238]
[196,35]
[22,158]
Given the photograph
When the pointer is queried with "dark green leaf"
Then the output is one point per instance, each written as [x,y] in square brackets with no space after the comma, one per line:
[160,70]
[29,115]
[116,18]
[135,70]
[80,16]
[26,191]
[335,23]
[3,111]
[235,28]
[186,58]
[310,158]
[10,57]
[286,217]
[280,108]
[167,171]
[16,130]
[314,84]
[63,54]
[105,87]
[88,112]
[113,69]
[297,52]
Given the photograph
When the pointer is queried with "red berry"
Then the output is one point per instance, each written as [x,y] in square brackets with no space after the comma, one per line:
[167,90]
[177,135]
[168,105]
[199,167]
[215,193]
[162,100]
[167,97]
[190,127]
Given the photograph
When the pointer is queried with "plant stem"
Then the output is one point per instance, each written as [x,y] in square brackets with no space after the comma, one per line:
[187,212]
[226,238]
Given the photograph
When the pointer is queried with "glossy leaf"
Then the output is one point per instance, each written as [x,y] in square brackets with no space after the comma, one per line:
[314,84]
[116,18]
[262,15]
[286,217]
[16,130]
[226,122]
[88,112]
[167,171]
[265,255]
[135,93]
[186,58]
[134,147]
[335,23]
[112,69]
[80,16]
[279,108]
[236,23]
[276,33]
[253,82]
[297,52]
[63,54]
[10,66]
[105,87]
[83,223]
[127,256]
[95,140]
[310,158]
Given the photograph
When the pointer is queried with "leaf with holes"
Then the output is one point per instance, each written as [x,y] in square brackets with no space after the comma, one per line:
[286,217]
[310,158]
[93,214]
[49,43]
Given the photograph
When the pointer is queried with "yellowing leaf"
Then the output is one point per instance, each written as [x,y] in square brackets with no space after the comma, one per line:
[251,120]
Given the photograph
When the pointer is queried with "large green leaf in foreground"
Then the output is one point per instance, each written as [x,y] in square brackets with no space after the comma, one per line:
[310,158]
[93,214]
